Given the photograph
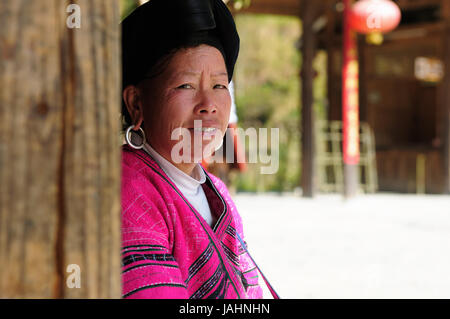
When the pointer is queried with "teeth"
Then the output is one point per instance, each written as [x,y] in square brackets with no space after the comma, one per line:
[204,129]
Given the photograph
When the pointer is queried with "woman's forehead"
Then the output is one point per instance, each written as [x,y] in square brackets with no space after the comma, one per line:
[193,61]
[202,51]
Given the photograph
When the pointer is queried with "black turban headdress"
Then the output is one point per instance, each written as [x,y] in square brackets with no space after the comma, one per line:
[159,26]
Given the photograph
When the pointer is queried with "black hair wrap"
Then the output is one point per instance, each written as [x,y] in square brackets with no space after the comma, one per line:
[158,27]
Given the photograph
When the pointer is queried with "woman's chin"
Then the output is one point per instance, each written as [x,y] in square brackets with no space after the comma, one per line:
[205,152]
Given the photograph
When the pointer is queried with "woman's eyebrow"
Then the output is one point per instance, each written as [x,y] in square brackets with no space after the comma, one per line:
[219,74]
[177,75]
[197,74]
[190,73]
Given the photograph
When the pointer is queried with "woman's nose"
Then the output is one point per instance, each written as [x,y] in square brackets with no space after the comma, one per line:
[207,104]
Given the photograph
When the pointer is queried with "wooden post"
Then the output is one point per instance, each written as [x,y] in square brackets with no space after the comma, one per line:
[331,60]
[361,43]
[307,112]
[350,106]
[445,105]
[59,149]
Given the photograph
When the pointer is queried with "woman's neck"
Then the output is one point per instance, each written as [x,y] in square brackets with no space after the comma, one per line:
[186,168]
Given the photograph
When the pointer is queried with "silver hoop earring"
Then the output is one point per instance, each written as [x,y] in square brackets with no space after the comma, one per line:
[128,138]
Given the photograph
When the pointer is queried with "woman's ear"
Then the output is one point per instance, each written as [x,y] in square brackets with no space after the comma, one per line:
[134,105]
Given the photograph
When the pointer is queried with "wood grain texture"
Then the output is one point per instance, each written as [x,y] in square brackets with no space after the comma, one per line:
[59,154]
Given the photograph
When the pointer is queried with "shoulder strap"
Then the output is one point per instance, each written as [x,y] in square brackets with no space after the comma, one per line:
[272,291]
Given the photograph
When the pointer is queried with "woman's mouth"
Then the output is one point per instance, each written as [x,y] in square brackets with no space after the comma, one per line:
[205,129]
[205,132]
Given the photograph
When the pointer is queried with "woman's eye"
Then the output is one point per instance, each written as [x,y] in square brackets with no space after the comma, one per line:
[220,86]
[185,86]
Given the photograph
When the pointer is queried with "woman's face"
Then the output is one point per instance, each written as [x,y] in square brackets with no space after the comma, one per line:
[194,86]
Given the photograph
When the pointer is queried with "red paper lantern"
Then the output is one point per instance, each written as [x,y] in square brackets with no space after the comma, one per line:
[374,16]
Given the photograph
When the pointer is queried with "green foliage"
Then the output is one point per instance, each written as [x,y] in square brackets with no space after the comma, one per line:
[268,93]
[127,6]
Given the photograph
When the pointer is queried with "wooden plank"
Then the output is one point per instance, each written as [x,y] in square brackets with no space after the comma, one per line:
[59,149]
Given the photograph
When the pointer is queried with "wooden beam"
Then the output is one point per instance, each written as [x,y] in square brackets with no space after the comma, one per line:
[308,180]
[288,10]
[281,7]
[292,7]
[417,4]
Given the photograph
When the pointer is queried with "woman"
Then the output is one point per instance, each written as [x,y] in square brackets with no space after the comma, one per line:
[181,233]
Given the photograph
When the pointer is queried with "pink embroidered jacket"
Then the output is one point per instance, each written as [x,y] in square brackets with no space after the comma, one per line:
[168,249]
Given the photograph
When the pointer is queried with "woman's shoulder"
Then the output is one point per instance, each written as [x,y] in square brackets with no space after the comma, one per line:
[143,195]
[140,175]
[137,164]
[134,160]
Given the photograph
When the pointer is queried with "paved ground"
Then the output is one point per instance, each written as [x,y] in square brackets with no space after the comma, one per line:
[375,246]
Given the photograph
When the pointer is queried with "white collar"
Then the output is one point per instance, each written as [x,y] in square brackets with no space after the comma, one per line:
[186,183]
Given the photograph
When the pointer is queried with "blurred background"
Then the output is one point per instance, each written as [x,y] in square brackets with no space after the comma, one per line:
[402,96]
[390,239]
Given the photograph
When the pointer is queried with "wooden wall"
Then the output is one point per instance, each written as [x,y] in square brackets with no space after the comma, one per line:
[397,170]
